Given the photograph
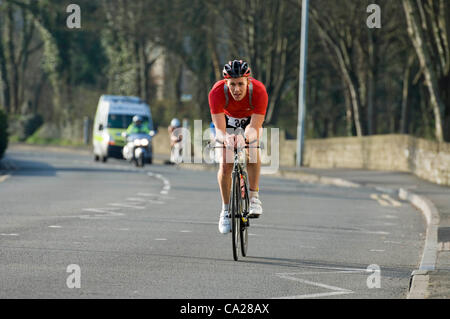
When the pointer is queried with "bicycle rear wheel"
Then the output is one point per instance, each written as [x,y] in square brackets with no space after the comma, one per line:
[234,218]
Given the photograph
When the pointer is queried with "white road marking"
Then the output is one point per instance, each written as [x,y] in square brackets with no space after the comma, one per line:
[104,212]
[54,226]
[185,231]
[334,290]
[379,200]
[389,224]
[155,202]
[146,194]
[155,195]
[4,178]
[136,199]
[12,234]
[166,182]
[161,239]
[392,242]
[377,250]
[319,295]
[126,206]
[385,200]
[391,200]
[141,200]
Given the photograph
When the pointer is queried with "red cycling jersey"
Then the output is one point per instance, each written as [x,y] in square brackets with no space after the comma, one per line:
[238,109]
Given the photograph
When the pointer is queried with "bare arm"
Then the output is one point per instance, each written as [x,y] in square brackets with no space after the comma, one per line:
[252,131]
[220,125]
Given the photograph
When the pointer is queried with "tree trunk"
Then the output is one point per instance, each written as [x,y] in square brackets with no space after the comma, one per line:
[422,50]
[4,84]
[405,92]
[11,58]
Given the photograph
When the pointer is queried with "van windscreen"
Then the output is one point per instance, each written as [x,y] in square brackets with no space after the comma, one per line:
[122,120]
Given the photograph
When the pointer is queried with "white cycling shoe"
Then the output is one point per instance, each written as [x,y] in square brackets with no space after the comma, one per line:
[224,223]
[255,208]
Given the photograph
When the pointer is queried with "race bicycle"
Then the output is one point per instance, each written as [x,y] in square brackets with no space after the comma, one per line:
[239,201]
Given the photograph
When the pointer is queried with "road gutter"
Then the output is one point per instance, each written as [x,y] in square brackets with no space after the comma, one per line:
[420,278]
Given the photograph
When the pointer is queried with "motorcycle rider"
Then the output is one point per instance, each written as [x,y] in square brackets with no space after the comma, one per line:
[137,126]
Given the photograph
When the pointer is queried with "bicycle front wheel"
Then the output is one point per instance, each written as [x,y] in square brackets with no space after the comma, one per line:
[235,216]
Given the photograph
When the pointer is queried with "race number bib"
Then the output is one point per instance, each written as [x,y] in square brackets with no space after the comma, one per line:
[237,122]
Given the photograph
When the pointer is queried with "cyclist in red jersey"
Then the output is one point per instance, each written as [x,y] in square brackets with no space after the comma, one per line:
[238,102]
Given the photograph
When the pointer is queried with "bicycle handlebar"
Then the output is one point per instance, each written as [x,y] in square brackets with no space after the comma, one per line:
[247,145]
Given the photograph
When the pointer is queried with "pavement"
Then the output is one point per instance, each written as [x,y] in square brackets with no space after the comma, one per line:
[432,277]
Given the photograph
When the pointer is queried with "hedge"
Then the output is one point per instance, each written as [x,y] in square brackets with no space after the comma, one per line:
[3,133]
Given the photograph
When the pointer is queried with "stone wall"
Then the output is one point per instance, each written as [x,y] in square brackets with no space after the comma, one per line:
[161,142]
[427,159]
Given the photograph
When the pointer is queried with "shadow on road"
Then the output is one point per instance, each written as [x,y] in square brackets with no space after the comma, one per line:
[38,169]
[395,272]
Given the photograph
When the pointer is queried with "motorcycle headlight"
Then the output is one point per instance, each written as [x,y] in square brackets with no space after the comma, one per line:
[137,142]
[144,142]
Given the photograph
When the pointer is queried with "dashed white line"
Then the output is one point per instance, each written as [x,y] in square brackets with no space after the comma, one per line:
[391,200]
[4,178]
[379,200]
[136,199]
[126,206]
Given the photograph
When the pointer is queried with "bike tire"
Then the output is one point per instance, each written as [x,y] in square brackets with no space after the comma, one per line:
[244,226]
[234,218]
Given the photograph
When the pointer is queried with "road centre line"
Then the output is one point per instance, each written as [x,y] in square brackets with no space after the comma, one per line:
[126,206]
[154,195]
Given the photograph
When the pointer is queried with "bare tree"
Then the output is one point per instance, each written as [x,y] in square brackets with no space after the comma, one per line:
[428,30]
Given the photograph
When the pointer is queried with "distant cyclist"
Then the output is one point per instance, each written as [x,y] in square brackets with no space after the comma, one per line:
[175,141]
[238,101]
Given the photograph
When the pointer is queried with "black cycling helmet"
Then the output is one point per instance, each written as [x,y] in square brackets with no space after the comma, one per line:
[236,69]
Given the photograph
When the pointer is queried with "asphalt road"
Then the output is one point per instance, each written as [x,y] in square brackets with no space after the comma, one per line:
[152,233]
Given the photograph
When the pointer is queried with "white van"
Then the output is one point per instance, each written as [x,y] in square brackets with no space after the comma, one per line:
[114,115]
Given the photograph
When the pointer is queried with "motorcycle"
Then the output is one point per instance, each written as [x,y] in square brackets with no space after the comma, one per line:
[138,149]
